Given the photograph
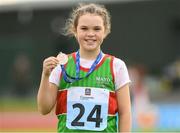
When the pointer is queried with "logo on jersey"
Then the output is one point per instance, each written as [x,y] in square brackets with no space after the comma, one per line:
[103,79]
[87,94]
[88,91]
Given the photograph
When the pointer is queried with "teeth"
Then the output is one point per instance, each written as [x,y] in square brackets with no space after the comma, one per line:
[90,40]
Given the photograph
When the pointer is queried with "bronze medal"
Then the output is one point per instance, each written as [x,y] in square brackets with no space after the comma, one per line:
[63,58]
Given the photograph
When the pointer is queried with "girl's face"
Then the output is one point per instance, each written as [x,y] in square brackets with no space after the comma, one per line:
[90,32]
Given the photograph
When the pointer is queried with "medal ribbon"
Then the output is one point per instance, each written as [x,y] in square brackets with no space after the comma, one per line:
[70,79]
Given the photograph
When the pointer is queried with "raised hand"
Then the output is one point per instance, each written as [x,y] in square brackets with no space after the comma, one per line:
[49,64]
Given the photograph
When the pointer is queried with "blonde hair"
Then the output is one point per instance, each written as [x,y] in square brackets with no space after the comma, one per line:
[81,9]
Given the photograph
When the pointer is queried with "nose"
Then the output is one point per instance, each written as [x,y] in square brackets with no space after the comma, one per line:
[90,33]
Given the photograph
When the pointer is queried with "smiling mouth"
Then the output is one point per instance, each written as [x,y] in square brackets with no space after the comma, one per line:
[90,41]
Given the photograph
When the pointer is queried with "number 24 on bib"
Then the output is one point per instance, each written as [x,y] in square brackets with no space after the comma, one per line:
[87,112]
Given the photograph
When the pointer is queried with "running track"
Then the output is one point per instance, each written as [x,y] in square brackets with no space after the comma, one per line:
[27,121]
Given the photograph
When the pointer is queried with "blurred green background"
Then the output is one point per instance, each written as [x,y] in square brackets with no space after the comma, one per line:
[145,34]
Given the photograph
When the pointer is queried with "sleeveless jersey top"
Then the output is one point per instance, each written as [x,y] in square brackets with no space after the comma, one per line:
[89,104]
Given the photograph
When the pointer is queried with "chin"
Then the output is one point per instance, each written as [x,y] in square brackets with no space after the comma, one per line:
[91,48]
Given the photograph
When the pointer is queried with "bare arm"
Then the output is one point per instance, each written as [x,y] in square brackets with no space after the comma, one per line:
[47,93]
[124,109]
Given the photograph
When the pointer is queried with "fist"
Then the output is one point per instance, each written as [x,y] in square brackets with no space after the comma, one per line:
[49,64]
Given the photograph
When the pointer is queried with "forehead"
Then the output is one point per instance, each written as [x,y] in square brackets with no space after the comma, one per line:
[90,20]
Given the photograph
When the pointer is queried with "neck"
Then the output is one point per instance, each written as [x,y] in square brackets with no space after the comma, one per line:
[89,55]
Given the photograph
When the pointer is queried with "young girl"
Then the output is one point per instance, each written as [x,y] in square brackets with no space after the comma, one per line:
[87,86]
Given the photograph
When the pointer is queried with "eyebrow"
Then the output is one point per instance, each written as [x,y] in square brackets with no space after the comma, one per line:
[88,26]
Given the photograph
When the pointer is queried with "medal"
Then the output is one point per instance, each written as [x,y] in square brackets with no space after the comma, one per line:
[63,58]
[70,79]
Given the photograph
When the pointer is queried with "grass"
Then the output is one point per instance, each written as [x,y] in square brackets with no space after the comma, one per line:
[18,105]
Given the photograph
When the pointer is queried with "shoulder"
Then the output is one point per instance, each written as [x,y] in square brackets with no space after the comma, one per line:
[119,66]
[120,73]
[117,62]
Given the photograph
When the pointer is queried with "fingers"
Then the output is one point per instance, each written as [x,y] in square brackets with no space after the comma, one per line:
[49,64]
[50,61]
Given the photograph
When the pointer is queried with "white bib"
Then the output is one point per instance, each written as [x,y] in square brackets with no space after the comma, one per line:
[87,108]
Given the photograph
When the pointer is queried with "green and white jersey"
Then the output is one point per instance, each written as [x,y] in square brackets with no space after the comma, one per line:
[89,105]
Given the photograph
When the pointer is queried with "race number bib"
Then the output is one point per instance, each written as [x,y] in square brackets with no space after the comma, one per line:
[87,108]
